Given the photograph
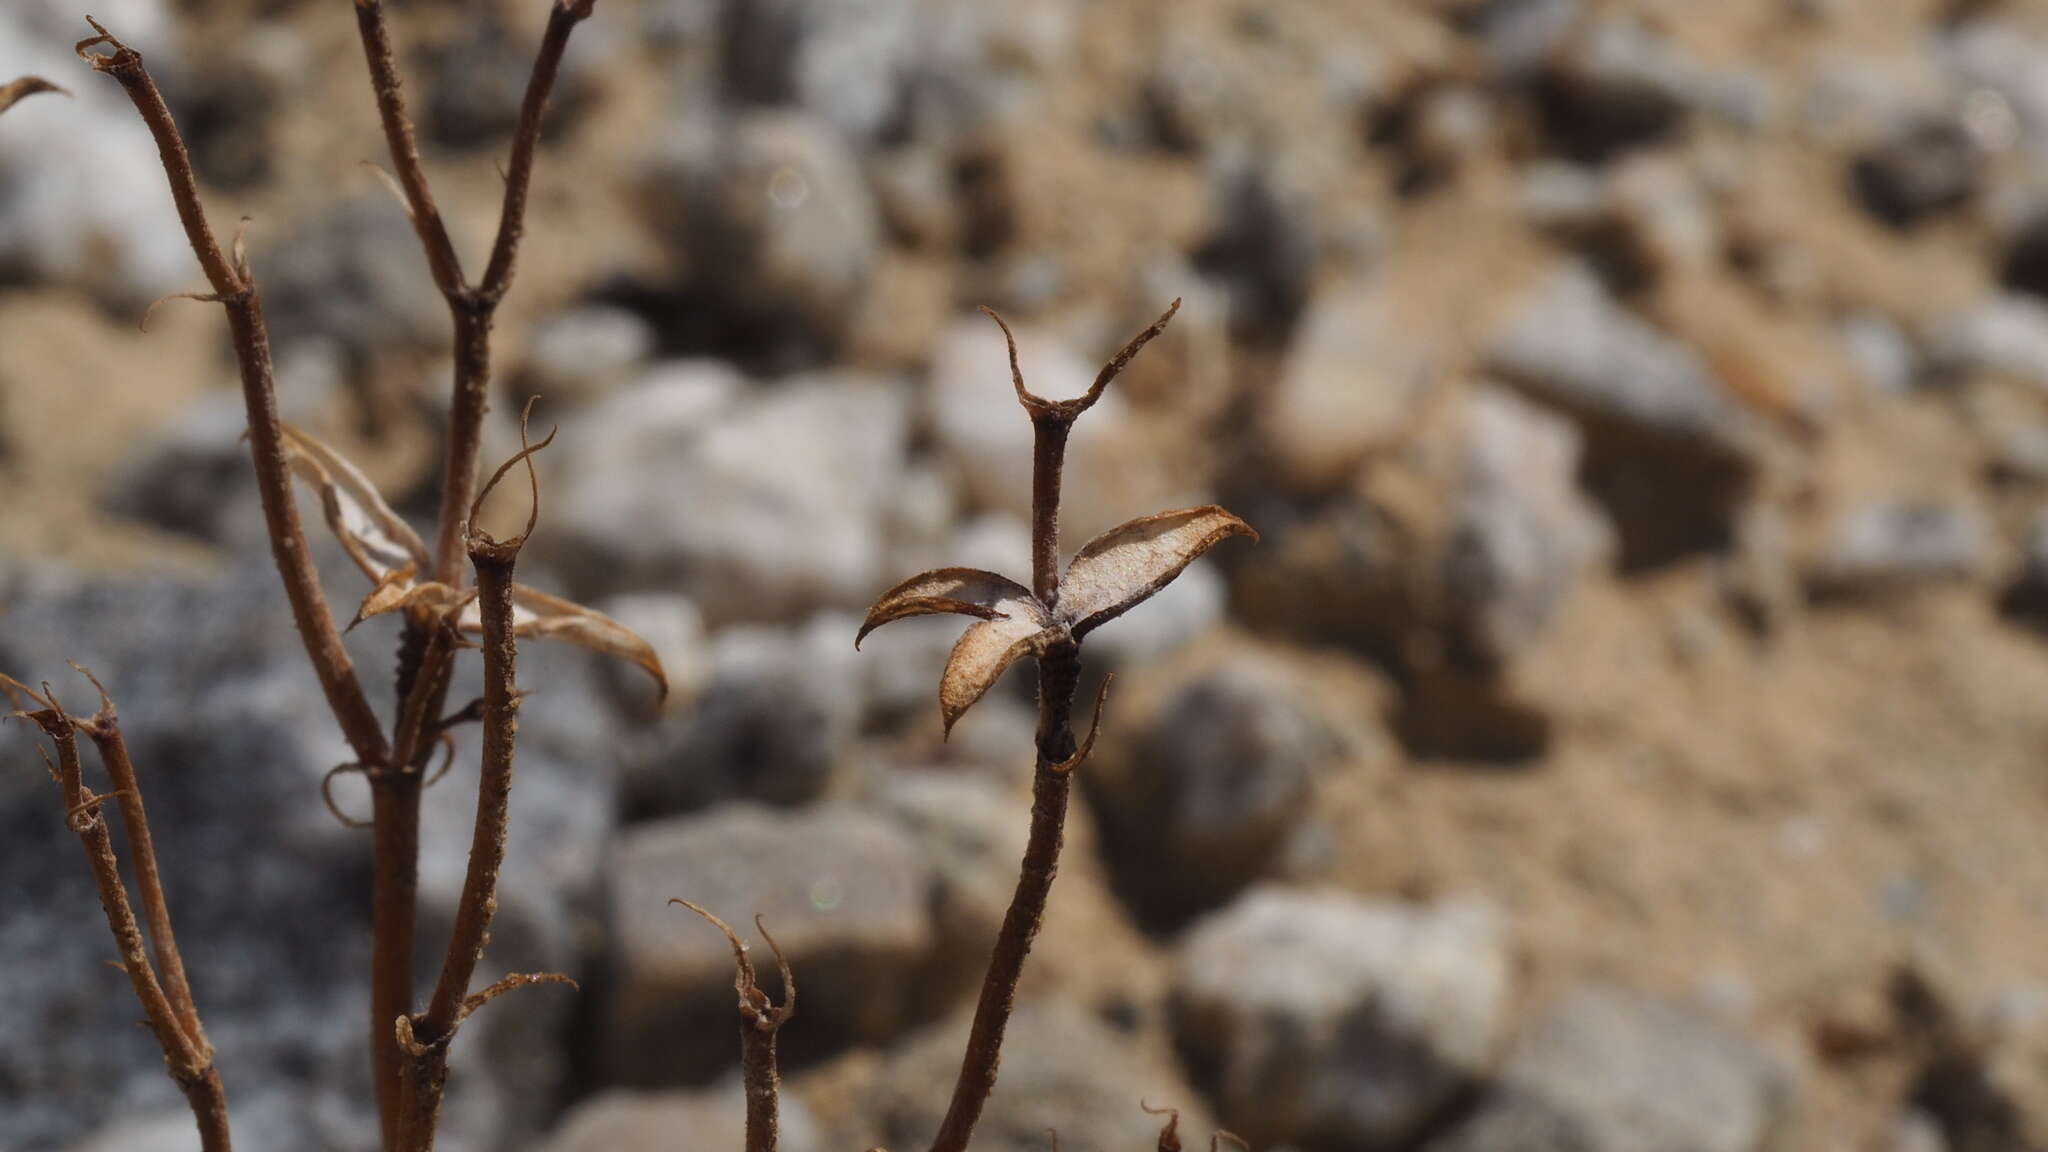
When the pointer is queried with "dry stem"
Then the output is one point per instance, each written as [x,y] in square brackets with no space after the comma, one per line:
[423,691]
[105,730]
[1059,669]
[760,1020]
[235,289]
[187,1056]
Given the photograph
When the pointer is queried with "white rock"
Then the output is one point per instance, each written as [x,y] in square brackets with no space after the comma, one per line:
[987,437]
[1607,1069]
[772,509]
[583,353]
[1348,388]
[85,203]
[1339,1021]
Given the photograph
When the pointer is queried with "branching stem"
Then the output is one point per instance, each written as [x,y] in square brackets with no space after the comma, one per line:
[472,310]
[187,1055]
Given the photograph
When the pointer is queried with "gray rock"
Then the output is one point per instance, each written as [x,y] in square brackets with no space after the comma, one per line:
[1348,388]
[768,510]
[847,895]
[1521,533]
[194,477]
[1613,84]
[1889,545]
[230,736]
[1063,1070]
[1263,245]
[772,723]
[98,220]
[713,1119]
[774,223]
[1884,360]
[846,62]
[971,830]
[1670,453]
[1916,1131]
[937,70]
[986,437]
[1330,1020]
[583,354]
[270,1121]
[2006,336]
[1210,771]
[476,82]
[1921,169]
[510,1064]
[1603,1068]
[1516,37]
[978,68]
[2000,56]
[352,275]
[672,625]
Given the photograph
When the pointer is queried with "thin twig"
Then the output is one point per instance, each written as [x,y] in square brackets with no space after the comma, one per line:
[231,281]
[760,1020]
[427,1035]
[547,63]
[105,730]
[423,692]
[186,1054]
[405,149]
[1059,670]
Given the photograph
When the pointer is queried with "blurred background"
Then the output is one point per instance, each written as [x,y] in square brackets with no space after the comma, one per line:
[1628,734]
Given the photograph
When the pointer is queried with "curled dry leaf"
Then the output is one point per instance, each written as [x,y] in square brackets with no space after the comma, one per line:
[390,553]
[981,656]
[376,538]
[1127,564]
[966,591]
[534,613]
[1117,570]
[15,91]
[1012,623]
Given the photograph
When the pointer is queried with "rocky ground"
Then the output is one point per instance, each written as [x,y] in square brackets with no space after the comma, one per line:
[1625,736]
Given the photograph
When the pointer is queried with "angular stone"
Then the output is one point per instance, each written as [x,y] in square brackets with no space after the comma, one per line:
[769,509]
[847,895]
[1063,1070]
[1330,1020]
[1670,452]
[713,1119]
[1603,1069]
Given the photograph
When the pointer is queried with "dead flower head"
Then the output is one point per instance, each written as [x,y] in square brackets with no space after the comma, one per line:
[1110,575]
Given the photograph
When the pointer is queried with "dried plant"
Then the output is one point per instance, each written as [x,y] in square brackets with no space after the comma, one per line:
[158,973]
[15,91]
[1111,574]
[443,614]
[409,1049]
[760,1020]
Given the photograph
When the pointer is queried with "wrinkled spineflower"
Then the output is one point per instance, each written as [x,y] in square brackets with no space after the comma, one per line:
[1110,575]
